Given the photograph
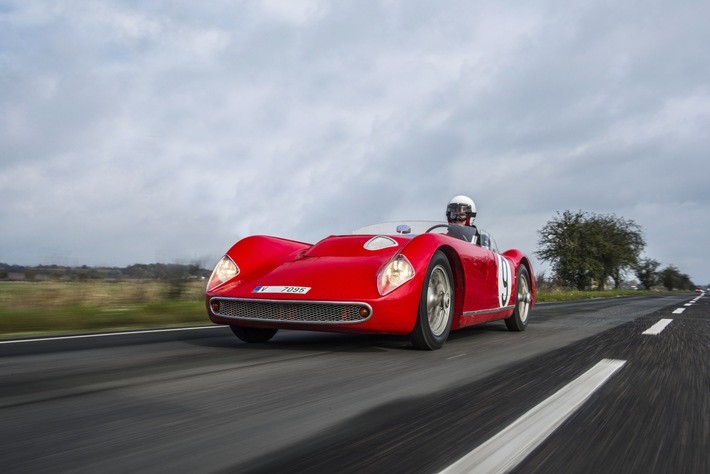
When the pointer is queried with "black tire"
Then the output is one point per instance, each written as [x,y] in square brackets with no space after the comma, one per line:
[254,335]
[519,320]
[436,306]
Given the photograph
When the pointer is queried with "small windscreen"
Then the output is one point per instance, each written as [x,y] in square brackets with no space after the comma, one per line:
[390,228]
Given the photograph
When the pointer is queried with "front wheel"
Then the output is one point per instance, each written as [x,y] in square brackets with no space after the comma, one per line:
[436,306]
[255,335]
[519,320]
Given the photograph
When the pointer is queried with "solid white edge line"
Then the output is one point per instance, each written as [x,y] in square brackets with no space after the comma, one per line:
[104,334]
[509,447]
[678,310]
[658,327]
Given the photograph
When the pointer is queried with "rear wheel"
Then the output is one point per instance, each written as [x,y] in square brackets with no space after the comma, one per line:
[519,320]
[255,335]
[436,306]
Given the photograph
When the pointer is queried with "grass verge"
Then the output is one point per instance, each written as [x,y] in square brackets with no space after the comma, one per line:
[546,296]
[31,309]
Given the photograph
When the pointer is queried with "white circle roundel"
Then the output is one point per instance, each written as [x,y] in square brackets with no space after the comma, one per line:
[504,280]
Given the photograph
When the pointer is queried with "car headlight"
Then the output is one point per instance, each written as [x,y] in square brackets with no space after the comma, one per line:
[225,270]
[395,274]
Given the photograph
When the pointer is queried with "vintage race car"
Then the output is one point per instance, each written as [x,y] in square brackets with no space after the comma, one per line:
[407,278]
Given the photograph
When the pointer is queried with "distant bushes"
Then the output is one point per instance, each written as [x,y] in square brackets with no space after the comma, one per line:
[154,271]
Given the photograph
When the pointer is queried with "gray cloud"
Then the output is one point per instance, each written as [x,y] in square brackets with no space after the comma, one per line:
[133,132]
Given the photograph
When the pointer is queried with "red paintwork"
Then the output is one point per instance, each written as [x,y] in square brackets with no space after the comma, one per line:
[339,268]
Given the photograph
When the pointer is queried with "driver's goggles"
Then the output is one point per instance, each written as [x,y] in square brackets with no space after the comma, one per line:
[458,212]
[458,216]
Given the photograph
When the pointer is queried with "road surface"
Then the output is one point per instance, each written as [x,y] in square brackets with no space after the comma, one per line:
[202,401]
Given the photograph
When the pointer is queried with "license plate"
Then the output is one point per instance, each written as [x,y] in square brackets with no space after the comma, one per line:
[294,290]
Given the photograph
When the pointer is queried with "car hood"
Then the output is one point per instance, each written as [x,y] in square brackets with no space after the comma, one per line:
[357,246]
[336,268]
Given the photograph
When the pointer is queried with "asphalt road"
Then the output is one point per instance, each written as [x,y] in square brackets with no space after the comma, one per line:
[202,401]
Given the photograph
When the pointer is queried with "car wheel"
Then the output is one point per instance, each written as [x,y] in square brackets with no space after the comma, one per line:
[519,320]
[256,335]
[436,306]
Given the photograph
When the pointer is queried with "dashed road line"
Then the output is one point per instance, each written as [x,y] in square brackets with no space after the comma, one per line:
[658,327]
[509,447]
[679,310]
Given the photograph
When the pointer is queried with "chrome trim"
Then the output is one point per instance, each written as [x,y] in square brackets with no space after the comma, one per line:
[292,302]
[469,314]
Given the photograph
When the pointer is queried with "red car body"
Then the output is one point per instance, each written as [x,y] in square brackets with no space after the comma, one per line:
[332,285]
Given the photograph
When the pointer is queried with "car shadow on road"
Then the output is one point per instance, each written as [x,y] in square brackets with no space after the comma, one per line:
[309,341]
[495,326]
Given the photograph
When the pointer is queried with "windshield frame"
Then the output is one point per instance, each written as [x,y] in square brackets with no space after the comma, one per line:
[390,228]
[419,227]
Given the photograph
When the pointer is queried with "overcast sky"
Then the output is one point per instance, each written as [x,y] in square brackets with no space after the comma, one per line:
[136,132]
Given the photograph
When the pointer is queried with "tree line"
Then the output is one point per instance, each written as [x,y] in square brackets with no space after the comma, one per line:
[151,271]
[588,250]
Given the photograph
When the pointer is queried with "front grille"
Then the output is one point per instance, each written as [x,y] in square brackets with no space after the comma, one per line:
[292,311]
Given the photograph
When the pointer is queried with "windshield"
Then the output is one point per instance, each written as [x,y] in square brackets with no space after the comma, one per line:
[390,228]
[412,228]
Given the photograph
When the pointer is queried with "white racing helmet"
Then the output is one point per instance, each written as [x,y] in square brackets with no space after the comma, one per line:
[461,209]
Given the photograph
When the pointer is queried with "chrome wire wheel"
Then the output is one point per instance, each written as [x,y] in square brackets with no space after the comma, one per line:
[524,298]
[438,303]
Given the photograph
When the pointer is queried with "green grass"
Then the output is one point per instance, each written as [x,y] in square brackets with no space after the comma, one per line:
[28,309]
[567,295]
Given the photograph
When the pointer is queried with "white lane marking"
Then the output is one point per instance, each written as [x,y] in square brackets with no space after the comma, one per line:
[679,310]
[104,334]
[506,449]
[455,357]
[658,327]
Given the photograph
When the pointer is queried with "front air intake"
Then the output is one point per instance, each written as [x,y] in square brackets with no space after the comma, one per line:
[291,311]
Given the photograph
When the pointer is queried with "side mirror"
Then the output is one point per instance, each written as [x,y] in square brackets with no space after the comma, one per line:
[404,229]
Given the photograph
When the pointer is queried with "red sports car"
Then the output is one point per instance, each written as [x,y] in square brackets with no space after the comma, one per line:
[394,278]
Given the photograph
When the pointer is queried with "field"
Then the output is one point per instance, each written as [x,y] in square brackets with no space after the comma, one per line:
[565,295]
[66,307]
[28,309]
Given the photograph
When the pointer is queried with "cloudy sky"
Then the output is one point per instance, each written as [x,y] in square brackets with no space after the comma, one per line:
[135,132]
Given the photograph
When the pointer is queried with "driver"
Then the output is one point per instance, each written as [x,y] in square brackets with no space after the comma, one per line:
[460,213]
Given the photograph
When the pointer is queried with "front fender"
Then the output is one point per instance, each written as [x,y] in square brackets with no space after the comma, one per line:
[518,258]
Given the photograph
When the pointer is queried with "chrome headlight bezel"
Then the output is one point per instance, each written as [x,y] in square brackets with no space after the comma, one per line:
[395,273]
[224,271]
